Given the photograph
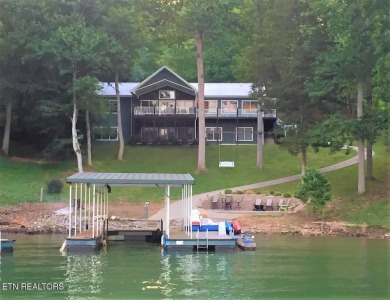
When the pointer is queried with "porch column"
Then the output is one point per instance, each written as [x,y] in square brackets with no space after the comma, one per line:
[93,210]
[70,210]
[167,210]
[75,209]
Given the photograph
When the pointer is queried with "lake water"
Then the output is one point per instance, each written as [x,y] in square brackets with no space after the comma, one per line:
[282,267]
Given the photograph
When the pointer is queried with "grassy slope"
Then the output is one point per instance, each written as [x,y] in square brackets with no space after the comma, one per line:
[22,181]
[372,208]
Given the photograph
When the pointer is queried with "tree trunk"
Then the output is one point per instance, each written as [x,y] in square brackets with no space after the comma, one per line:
[202,127]
[119,120]
[75,141]
[89,147]
[359,109]
[369,170]
[303,159]
[260,134]
[7,127]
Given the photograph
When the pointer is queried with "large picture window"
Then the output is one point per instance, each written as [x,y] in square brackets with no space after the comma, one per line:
[210,106]
[184,107]
[214,134]
[245,134]
[105,133]
[249,106]
[229,106]
[166,94]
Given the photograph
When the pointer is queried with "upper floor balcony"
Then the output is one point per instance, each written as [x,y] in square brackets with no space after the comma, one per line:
[241,112]
[151,110]
[209,113]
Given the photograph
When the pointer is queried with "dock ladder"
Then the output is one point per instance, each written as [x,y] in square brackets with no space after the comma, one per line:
[207,241]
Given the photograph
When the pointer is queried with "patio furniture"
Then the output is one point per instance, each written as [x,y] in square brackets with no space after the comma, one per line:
[228,202]
[283,207]
[238,202]
[268,205]
[214,202]
[258,206]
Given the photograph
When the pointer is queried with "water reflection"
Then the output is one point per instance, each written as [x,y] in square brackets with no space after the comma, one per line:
[84,275]
[195,274]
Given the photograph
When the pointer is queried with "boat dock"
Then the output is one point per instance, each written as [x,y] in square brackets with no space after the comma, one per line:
[90,227]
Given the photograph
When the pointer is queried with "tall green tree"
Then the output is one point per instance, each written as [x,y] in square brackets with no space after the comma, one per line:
[348,60]
[203,18]
[277,61]
[124,24]
[77,50]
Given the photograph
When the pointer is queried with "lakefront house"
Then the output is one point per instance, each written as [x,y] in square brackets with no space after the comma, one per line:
[163,107]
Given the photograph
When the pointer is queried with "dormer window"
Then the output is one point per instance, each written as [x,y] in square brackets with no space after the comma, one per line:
[166,94]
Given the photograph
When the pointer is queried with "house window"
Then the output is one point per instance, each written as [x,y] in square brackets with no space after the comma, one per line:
[229,106]
[244,134]
[249,106]
[105,133]
[166,107]
[148,133]
[184,107]
[167,132]
[186,133]
[214,134]
[210,106]
[112,107]
[148,103]
[166,94]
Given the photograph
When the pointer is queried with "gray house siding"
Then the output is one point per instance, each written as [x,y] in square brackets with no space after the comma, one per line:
[126,107]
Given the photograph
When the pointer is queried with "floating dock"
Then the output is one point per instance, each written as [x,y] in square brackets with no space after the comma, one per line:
[6,245]
[200,241]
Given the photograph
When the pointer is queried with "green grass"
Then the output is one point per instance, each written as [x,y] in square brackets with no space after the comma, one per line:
[372,208]
[277,163]
[22,181]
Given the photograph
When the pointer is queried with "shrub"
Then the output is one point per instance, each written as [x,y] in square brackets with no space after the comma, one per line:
[277,194]
[314,189]
[239,192]
[54,186]
[184,141]
[286,195]
[156,141]
[195,142]
[174,141]
[249,192]
[272,192]
[134,140]
[163,142]
[228,191]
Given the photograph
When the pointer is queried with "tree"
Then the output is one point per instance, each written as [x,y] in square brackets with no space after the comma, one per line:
[201,18]
[121,24]
[314,189]
[280,66]
[348,59]
[76,49]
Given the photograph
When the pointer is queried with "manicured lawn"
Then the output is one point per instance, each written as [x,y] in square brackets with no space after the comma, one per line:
[22,181]
[277,163]
[372,208]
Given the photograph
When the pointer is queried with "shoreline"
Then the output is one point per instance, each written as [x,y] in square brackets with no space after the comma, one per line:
[41,218]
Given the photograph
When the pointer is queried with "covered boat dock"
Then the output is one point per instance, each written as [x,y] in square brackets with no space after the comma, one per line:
[89,207]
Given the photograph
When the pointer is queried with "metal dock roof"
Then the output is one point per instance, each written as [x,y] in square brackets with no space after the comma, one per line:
[134,179]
